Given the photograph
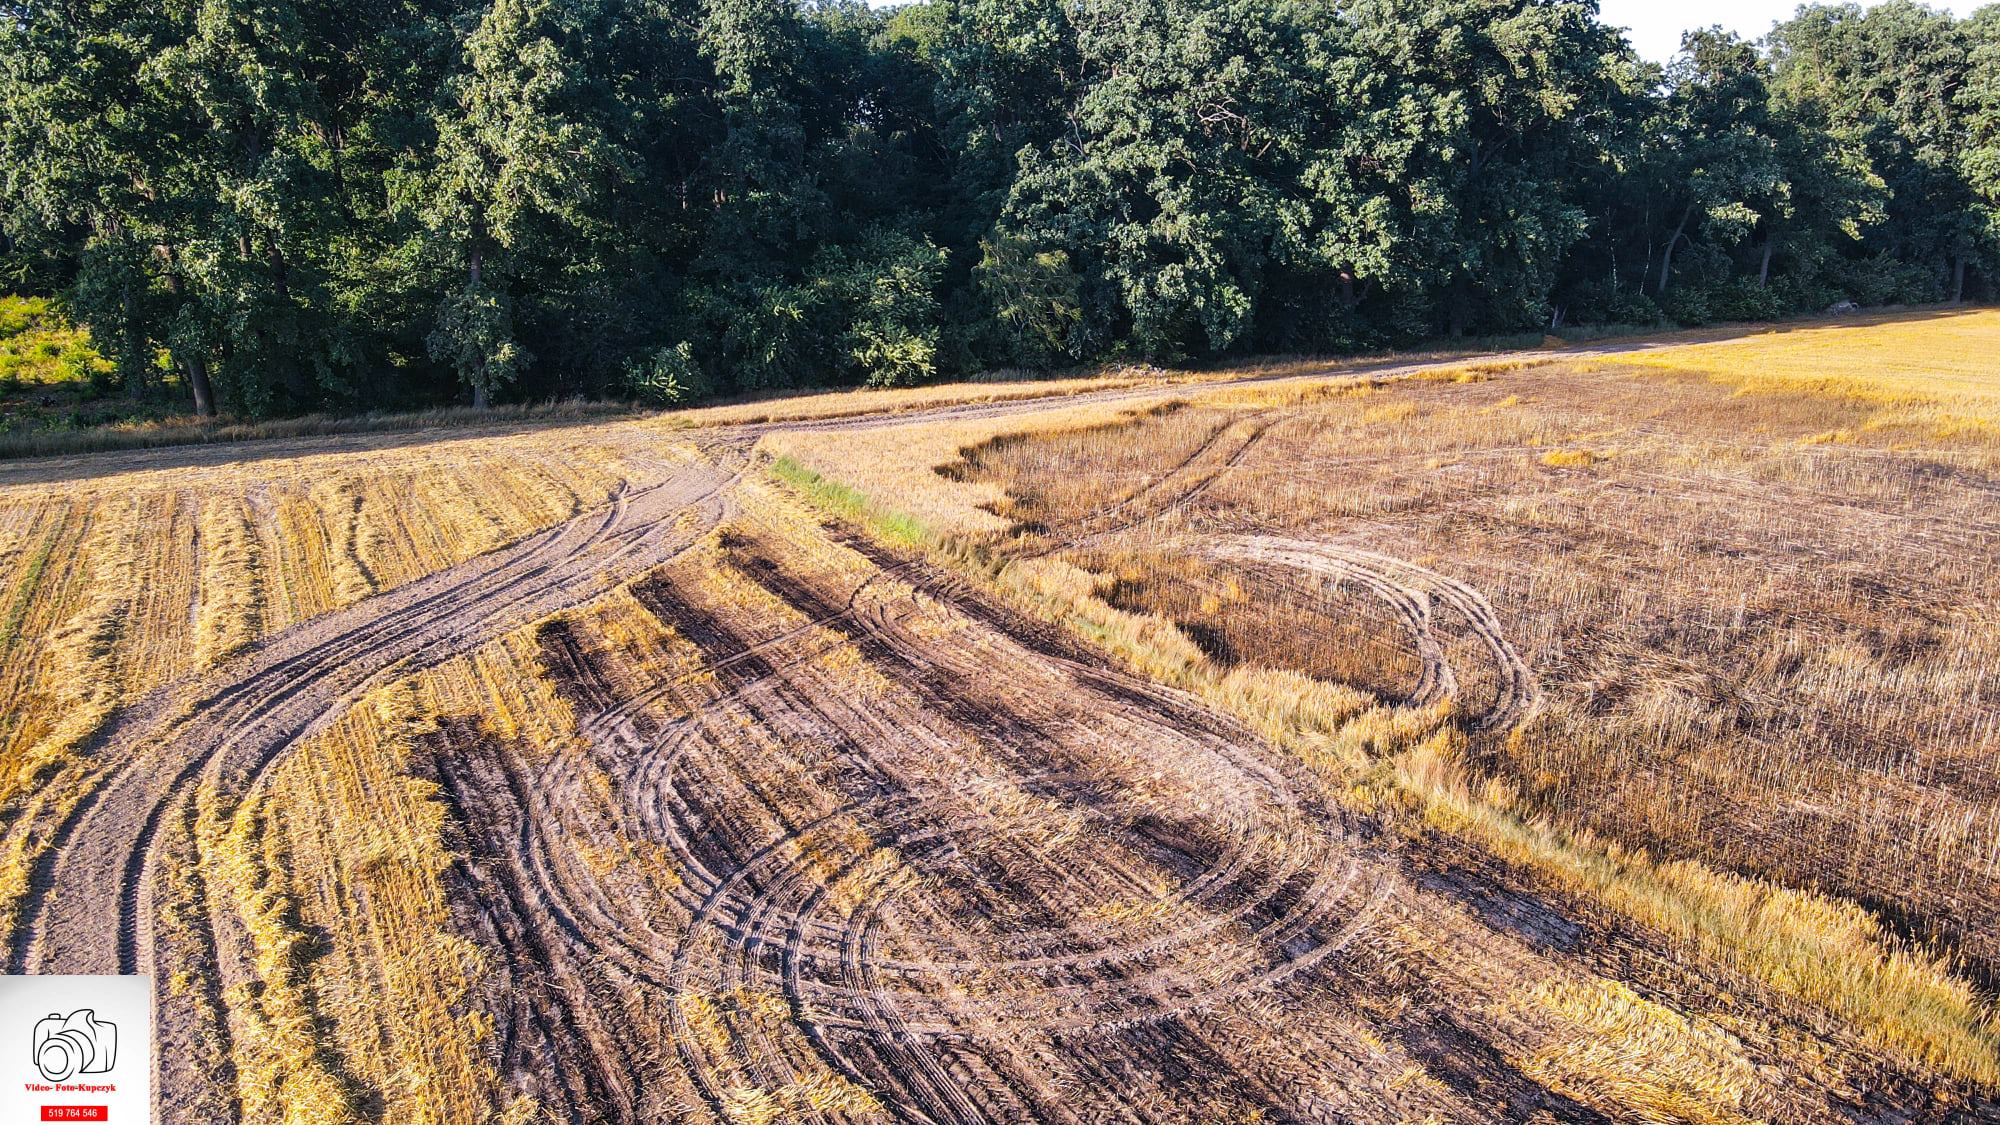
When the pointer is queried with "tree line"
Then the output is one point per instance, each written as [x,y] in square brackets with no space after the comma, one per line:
[274,206]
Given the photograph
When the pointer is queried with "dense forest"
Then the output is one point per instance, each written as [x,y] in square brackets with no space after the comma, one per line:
[263,207]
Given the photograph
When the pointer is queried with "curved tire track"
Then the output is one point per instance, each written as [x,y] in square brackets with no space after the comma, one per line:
[1412,594]
[245,716]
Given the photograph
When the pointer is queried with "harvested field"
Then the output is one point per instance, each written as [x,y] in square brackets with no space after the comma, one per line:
[1665,611]
[1548,739]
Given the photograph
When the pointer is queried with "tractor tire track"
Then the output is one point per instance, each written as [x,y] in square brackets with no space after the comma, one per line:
[1412,593]
[759,911]
[248,715]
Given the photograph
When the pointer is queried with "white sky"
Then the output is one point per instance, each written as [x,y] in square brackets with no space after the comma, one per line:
[1655,26]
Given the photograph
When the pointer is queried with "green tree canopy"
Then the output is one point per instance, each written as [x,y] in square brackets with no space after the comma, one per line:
[271,206]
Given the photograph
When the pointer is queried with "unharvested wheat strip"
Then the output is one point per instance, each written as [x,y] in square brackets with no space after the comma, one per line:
[310,561]
[574,480]
[536,494]
[51,592]
[402,539]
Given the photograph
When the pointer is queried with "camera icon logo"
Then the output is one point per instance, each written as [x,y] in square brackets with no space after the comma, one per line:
[79,1043]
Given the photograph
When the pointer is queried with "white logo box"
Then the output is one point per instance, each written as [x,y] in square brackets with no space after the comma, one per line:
[76,1049]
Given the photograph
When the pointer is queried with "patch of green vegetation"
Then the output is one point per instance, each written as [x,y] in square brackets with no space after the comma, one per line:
[895,528]
[1088,629]
[39,347]
[53,382]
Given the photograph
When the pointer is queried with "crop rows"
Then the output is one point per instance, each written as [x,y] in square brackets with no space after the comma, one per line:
[118,585]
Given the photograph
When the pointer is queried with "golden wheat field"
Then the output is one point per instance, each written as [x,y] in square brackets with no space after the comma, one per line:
[1594,734]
